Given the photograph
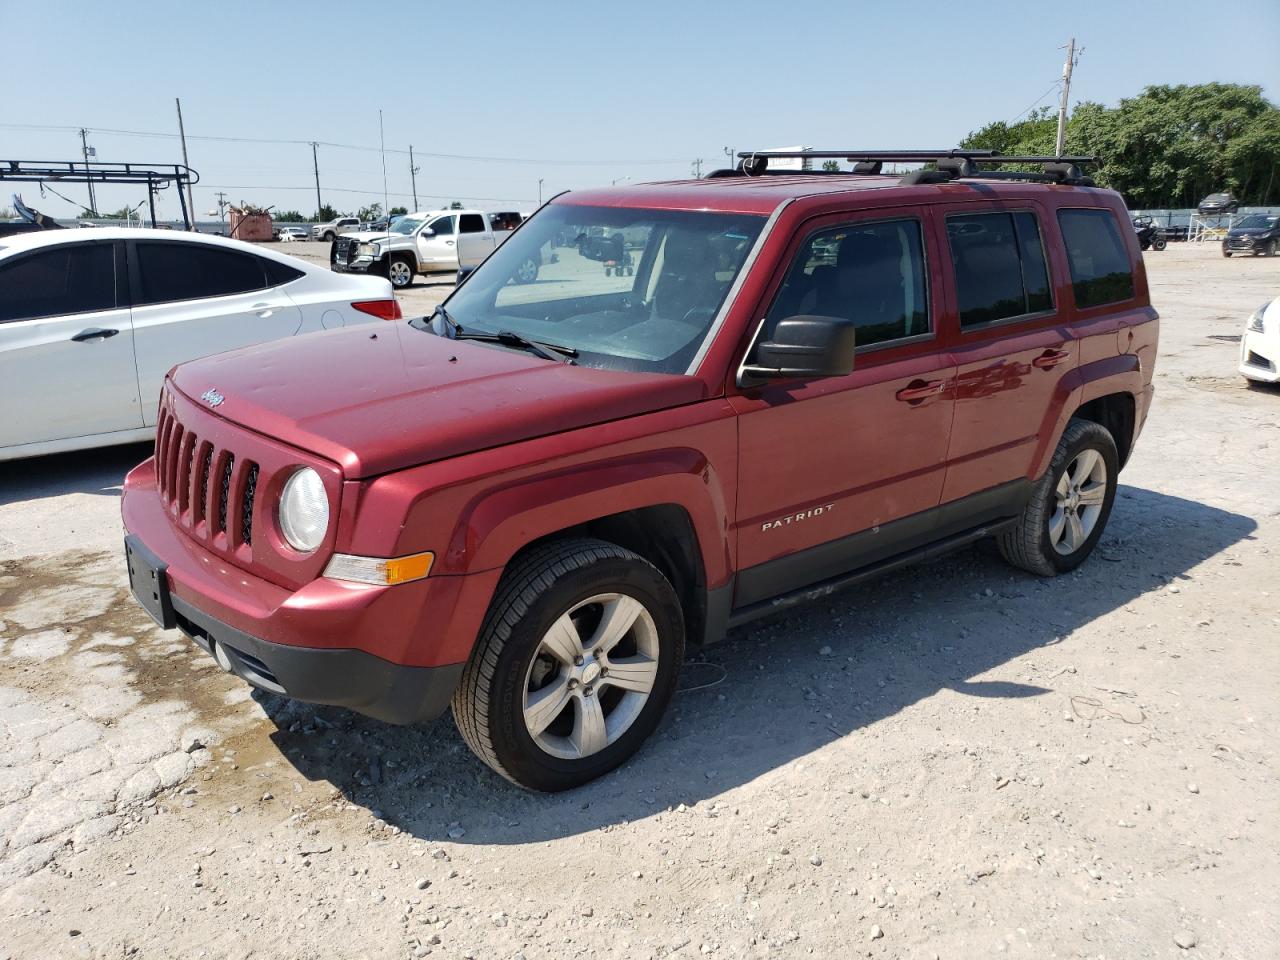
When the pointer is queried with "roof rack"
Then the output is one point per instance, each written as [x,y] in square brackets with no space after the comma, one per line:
[153,176]
[949,165]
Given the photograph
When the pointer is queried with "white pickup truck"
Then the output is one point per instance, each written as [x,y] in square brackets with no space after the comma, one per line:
[327,231]
[430,241]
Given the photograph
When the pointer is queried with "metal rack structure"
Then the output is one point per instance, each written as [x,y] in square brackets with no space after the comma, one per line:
[153,176]
[946,165]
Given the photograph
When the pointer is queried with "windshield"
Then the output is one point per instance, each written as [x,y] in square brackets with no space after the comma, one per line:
[405,226]
[1257,222]
[629,289]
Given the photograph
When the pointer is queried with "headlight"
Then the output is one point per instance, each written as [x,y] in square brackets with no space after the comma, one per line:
[1255,321]
[368,250]
[304,510]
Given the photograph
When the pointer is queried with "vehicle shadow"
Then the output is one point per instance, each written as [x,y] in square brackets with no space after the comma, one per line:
[775,690]
[100,471]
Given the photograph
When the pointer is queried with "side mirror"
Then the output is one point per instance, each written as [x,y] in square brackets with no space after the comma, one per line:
[428,232]
[803,348]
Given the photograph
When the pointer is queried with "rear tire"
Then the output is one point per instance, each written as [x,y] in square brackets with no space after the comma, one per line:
[575,664]
[328,237]
[1069,505]
[1158,244]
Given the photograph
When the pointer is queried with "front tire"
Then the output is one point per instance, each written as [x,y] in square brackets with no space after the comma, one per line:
[1159,244]
[400,271]
[1069,506]
[329,236]
[575,665]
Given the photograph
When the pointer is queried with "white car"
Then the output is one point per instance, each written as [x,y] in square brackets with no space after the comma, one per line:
[1260,345]
[290,234]
[90,322]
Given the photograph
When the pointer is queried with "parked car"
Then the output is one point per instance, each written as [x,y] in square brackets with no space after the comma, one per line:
[1260,345]
[1218,203]
[290,234]
[90,321]
[333,228]
[528,504]
[1258,233]
[421,243]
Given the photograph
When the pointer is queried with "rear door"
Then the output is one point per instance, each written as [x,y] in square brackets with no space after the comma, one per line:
[194,299]
[66,344]
[827,466]
[475,240]
[1013,345]
[438,250]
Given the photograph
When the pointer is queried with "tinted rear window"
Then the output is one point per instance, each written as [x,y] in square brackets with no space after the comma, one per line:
[279,273]
[187,271]
[1100,270]
[999,266]
[59,281]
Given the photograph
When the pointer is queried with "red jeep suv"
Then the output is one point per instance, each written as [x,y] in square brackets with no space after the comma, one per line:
[526,504]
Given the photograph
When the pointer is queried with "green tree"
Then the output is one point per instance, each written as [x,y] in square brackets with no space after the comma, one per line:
[831,166]
[288,216]
[124,213]
[456,205]
[325,214]
[397,211]
[1167,147]
[372,212]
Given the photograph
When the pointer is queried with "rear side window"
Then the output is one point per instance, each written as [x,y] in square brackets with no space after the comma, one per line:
[185,271]
[1100,270]
[279,274]
[58,281]
[999,266]
[870,273]
[471,223]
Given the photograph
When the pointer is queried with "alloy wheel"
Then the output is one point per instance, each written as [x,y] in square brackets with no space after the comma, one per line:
[400,274]
[591,676]
[1079,497]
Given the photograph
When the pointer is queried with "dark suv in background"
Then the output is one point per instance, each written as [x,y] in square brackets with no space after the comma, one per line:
[1257,233]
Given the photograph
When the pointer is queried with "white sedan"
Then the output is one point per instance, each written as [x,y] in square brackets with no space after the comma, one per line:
[1260,345]
[291,234]
[90,322]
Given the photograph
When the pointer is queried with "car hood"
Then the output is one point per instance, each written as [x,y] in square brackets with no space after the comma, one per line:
[381,400]
[1248,232]
[364,236]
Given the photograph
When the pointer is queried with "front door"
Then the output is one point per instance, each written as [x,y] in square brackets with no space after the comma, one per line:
[193,299]
[438,249]
[66,345]
[841,472]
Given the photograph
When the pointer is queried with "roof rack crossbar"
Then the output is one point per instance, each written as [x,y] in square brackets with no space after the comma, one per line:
[909,156]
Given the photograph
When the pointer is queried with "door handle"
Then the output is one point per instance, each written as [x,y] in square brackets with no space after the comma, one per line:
[919,390]
[93,334]
[1051,358]
[264,310]
[448,243]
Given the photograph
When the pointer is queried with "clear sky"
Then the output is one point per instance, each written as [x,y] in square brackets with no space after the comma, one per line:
[639,89]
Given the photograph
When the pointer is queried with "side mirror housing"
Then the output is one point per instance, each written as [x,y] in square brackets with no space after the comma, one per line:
[428,232]
[803,348]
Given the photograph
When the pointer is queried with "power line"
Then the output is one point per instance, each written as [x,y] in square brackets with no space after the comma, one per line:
[1039,100]
[342,146]
[367,193]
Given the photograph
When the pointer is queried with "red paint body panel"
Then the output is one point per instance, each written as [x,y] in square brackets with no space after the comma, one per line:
[473,452]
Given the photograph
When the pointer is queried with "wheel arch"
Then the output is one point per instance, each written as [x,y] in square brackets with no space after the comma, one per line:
[1104,392]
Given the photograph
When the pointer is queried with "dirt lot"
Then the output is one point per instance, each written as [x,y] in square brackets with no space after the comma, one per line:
[957,761]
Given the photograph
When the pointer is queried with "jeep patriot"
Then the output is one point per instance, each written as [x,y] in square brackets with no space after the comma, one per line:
[528,503]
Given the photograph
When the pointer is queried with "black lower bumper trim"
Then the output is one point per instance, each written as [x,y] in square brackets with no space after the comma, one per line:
[354,679]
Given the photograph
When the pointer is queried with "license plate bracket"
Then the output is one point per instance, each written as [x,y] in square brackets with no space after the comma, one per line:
[149,582]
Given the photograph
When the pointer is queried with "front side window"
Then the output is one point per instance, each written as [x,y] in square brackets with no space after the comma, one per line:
[1100,270]
[628,288]
[999,267]
[442,226]
[870,273]
[58,281]
[471,223]
[171,271]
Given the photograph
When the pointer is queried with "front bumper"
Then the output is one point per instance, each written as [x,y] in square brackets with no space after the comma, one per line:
[342,678]
[1260,356]
[358,265]
[394,653]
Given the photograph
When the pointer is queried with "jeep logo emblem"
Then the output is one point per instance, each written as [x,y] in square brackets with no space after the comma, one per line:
[212,397]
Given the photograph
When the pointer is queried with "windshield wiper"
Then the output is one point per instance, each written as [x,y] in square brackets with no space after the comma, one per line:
[507,338]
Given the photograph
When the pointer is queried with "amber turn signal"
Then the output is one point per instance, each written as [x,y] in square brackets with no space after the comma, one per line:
[383,572]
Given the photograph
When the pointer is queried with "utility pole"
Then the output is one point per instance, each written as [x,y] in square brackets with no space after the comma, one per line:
[413,176]
[222,206]
[88,151]
[182,133]
[731,153]
[539,191]
[1066,90]
[697,169]
[315,162]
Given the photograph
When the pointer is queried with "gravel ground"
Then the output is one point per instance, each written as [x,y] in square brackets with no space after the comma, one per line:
[958,761]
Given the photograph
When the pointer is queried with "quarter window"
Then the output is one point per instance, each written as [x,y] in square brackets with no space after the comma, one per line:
[999,266]
[1100,270]
[172,271]
[471,223]
[870,273]
[58,281]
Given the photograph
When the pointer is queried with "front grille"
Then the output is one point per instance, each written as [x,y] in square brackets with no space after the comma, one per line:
[344,250]
[1257,360]
[203,486]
